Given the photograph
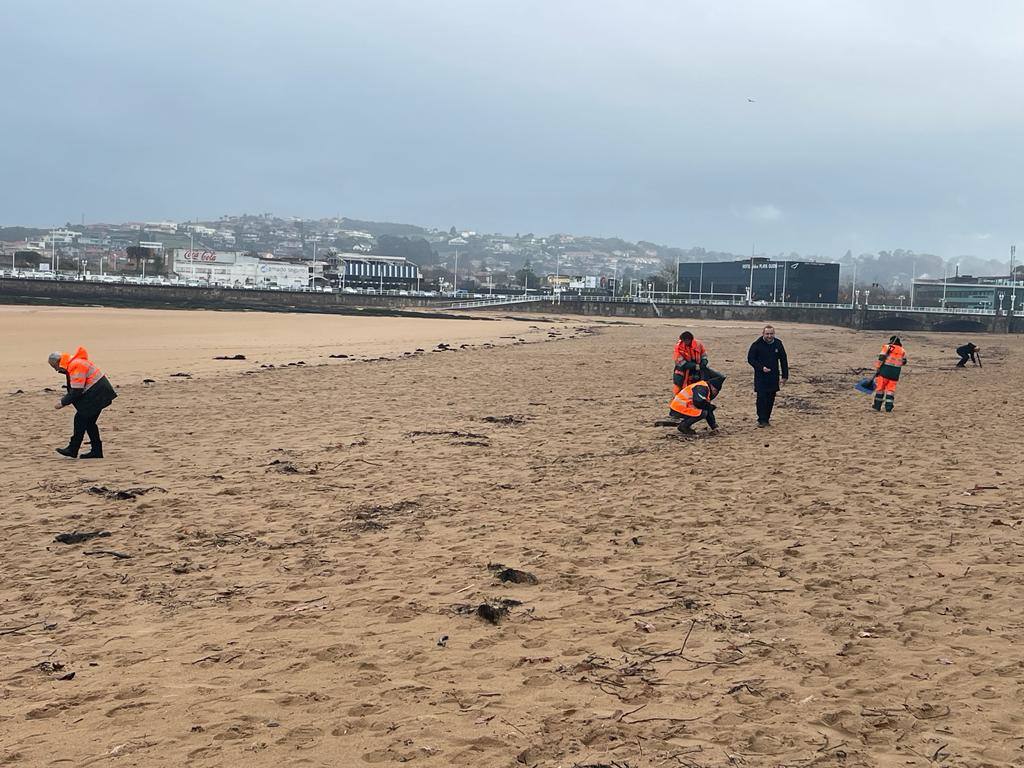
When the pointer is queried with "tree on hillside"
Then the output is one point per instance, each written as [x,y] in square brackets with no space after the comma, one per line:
[29,259]
[526,276]
[415,249]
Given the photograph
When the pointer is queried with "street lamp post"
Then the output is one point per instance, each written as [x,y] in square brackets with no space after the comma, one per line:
[558,283]
[1013,281]
[455,273]
[750,288]
[913,277]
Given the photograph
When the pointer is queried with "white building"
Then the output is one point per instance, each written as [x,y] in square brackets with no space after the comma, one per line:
[236,268]
[162,226]
[61,237]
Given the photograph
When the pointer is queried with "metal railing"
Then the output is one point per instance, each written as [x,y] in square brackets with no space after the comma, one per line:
[499,302]
[935,310]
[504,299]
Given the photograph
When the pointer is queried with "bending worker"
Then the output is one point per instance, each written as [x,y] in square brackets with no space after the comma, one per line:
[887,373]
[693,403]
[691,358]
[90,392]
[968,352]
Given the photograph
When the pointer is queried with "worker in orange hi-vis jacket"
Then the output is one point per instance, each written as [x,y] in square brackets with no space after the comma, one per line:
[691,358]
[887,372]
[90,392]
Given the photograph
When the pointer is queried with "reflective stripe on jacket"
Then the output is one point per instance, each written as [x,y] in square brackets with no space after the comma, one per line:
[890,361]
[82,372]
[683,401]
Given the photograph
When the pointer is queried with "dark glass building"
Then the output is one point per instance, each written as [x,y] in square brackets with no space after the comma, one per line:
[358,270]
[799,281]
[967,292]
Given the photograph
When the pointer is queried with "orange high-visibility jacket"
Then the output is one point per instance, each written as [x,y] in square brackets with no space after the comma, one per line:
[890,361]
[683,402]
[81,371]
[692,352]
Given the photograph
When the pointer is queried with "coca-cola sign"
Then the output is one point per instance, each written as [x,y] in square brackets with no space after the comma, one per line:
[200,255]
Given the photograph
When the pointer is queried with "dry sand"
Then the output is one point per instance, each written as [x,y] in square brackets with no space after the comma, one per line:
[152,343]
[841,589]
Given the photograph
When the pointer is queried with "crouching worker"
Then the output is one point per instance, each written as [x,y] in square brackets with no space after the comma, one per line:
[968,351]
[90,392]
[887,373]
[693,403]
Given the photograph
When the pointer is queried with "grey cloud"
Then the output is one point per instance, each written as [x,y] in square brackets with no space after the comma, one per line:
[875,125]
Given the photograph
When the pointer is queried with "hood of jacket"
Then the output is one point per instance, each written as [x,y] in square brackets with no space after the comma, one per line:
[80,354]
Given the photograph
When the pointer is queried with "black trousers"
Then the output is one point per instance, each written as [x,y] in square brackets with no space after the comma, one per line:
[85,423]
[686,423]
[765,403]
[963,360]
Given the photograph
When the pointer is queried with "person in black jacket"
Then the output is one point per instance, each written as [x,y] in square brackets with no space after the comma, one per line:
[767,356]
[967,352]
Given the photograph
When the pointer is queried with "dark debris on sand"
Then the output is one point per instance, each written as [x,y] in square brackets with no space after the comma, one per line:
[377,516]
[511,420]
[492,611]
[77,537]
[124,494]
[513,575]
[458,437]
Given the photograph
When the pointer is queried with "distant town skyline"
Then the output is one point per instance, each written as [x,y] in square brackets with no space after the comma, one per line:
[807,127]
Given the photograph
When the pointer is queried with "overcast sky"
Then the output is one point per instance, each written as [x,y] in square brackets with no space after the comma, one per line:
[873,124]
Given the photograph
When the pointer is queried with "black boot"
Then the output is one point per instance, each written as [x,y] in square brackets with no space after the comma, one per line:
[877,404]
[69,452]
[95,452]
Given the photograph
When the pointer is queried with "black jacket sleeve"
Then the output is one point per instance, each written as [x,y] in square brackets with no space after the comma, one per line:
[783,360]
[752,357]
[72,396]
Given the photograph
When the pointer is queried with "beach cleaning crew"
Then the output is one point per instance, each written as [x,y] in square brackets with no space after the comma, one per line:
[693,403]
[767,356]
[690,358]
[90,392]
[887,372]
[968,352]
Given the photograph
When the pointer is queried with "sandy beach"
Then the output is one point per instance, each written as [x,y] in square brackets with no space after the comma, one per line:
[304,563]
[149,343]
